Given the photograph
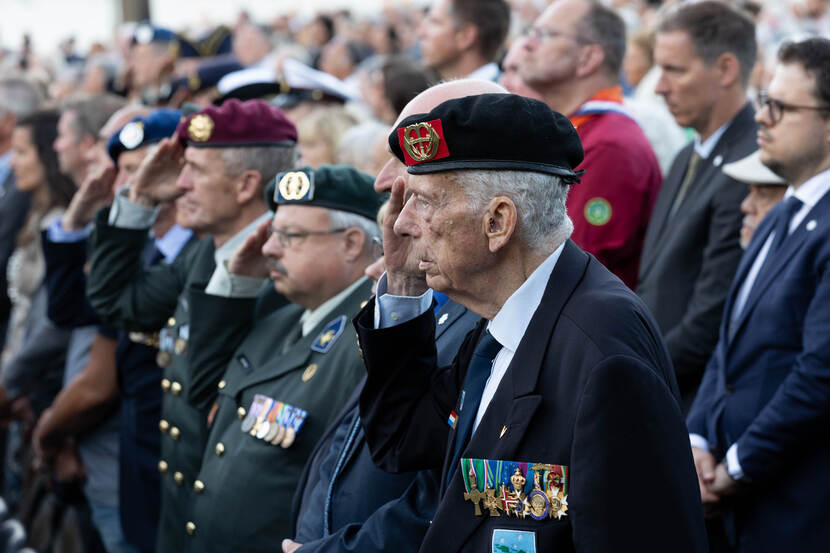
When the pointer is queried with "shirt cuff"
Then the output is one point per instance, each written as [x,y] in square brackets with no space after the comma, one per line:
[699,442]
[130,215]
[56,233]
[733,466]
[223,283]
[393,310]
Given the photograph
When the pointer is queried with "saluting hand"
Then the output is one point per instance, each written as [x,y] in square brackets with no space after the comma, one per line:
[248,259]
[95,192]
[155,180]
[404,278]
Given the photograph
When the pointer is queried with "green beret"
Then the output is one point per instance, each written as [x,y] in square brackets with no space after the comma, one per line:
[331,186]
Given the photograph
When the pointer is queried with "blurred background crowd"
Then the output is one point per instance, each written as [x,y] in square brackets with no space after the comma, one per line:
[342,78]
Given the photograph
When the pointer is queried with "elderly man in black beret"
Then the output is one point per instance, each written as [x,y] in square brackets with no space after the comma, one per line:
[558,426]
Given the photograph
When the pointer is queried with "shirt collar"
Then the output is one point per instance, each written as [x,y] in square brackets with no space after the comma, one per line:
[225,252]
[488,72]
[811,191]
[172,242]
[705,148]
[312,317]
[510,323]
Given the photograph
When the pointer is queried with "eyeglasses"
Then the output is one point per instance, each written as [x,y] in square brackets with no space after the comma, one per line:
[540,33]
[777,108]
[289,239]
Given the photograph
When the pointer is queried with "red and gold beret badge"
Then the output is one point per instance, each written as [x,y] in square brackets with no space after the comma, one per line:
[423,142]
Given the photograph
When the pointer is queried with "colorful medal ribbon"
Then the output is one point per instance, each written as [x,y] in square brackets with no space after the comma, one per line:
[535,490]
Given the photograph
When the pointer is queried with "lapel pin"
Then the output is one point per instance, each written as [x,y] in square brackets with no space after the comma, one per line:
[443,319]
[718,160]
[503,431]
[811,225]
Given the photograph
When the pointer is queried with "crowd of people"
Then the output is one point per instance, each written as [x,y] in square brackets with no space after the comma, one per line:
[472,275]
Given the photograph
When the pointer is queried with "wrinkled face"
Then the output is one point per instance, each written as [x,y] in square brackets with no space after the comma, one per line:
[209,200]
[128,163]
[755,207]
[437,34]
[303,270]
[798,145]
[447,237]
[71,154]
[552,48]
[25,162]
[688,84]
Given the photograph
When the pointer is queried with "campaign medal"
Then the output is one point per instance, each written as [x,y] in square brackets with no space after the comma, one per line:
[260,416]
[273,426]
[265,426]
[181,342]
[283,416]
[297,419]
[253,412]
[163,357]
[473,494]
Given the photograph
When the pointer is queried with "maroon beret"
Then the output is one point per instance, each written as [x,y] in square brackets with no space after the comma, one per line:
[237,124]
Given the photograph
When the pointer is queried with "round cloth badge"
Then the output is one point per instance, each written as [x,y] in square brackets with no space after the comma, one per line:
[597,211]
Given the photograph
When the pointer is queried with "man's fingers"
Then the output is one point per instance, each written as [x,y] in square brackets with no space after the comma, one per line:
[289,546]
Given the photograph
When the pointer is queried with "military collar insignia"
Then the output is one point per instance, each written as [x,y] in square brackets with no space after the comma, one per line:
[132,135]
[326,339]
[424,141]
[200,128]
[295,186]
[535,490]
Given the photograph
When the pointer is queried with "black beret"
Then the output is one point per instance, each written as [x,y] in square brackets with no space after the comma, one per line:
[331,186]
[489,131]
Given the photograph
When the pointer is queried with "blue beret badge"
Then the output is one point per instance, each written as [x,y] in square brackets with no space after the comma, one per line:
[295,186]
[326,339]
[132,135]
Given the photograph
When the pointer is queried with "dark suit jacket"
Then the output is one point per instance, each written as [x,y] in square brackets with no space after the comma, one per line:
[590,387]
[689,259]
[768,391]
[371,510]
[14,206]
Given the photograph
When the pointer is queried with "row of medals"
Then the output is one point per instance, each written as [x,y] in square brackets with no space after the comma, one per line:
[167,343]
[538,504]
[273,431]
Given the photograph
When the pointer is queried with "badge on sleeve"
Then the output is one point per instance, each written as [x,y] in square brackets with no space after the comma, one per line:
[513,541]
[326,339]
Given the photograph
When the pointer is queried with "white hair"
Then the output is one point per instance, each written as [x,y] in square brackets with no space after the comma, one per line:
[19,96]
[346,219]
[266,160]
[539,198]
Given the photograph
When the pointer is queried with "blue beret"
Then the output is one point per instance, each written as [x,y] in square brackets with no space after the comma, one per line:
[146,33]
[142,131]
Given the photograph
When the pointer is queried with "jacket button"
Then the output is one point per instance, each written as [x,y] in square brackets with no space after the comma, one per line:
[198,486]
[164,426]
[162,466]
[240,413]
[175,432]
[220,449]
[178,477]
[165,384]
[191,528]
[222,384]
[176,388]
[171,321]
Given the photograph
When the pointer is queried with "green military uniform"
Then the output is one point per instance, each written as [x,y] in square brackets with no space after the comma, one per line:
[246,483]
[126,294]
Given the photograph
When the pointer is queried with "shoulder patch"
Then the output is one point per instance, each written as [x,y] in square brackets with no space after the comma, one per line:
[597,211]
[326,339]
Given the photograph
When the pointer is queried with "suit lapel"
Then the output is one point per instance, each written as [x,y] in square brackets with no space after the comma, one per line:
[447,315]
[511,411]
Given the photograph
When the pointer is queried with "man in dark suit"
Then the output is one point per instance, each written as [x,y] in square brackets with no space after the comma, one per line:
[706,51]
[758,423]
[564,390]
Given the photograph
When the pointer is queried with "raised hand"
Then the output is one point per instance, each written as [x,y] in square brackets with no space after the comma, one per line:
[155,180]
[248,260]
[404,278]
[95,192]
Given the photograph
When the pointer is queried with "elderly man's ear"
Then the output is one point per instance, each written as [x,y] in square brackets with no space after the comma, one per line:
[499,221]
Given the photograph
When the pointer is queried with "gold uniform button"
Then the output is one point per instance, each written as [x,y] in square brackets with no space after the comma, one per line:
[220,449]
[178,477]
[198,486]
[165,384]
[162,466]
[175,432]
[176,388]
[240,413]
[222,384]
[191,528]
[171,321]
[164,426]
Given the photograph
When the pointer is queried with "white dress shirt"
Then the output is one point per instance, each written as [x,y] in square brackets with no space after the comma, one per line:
[508,326]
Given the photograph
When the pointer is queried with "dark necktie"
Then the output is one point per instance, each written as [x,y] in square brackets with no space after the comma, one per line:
[477,374]
[152,256]
[782,224]
[691,171]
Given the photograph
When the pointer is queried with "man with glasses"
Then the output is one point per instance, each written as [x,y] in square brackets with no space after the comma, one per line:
[294,368]
[706,51]
[573,59]
[759,422]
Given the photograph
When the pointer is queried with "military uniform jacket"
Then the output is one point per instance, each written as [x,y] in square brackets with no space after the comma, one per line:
[246,484]
[590,388]
[127,295]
